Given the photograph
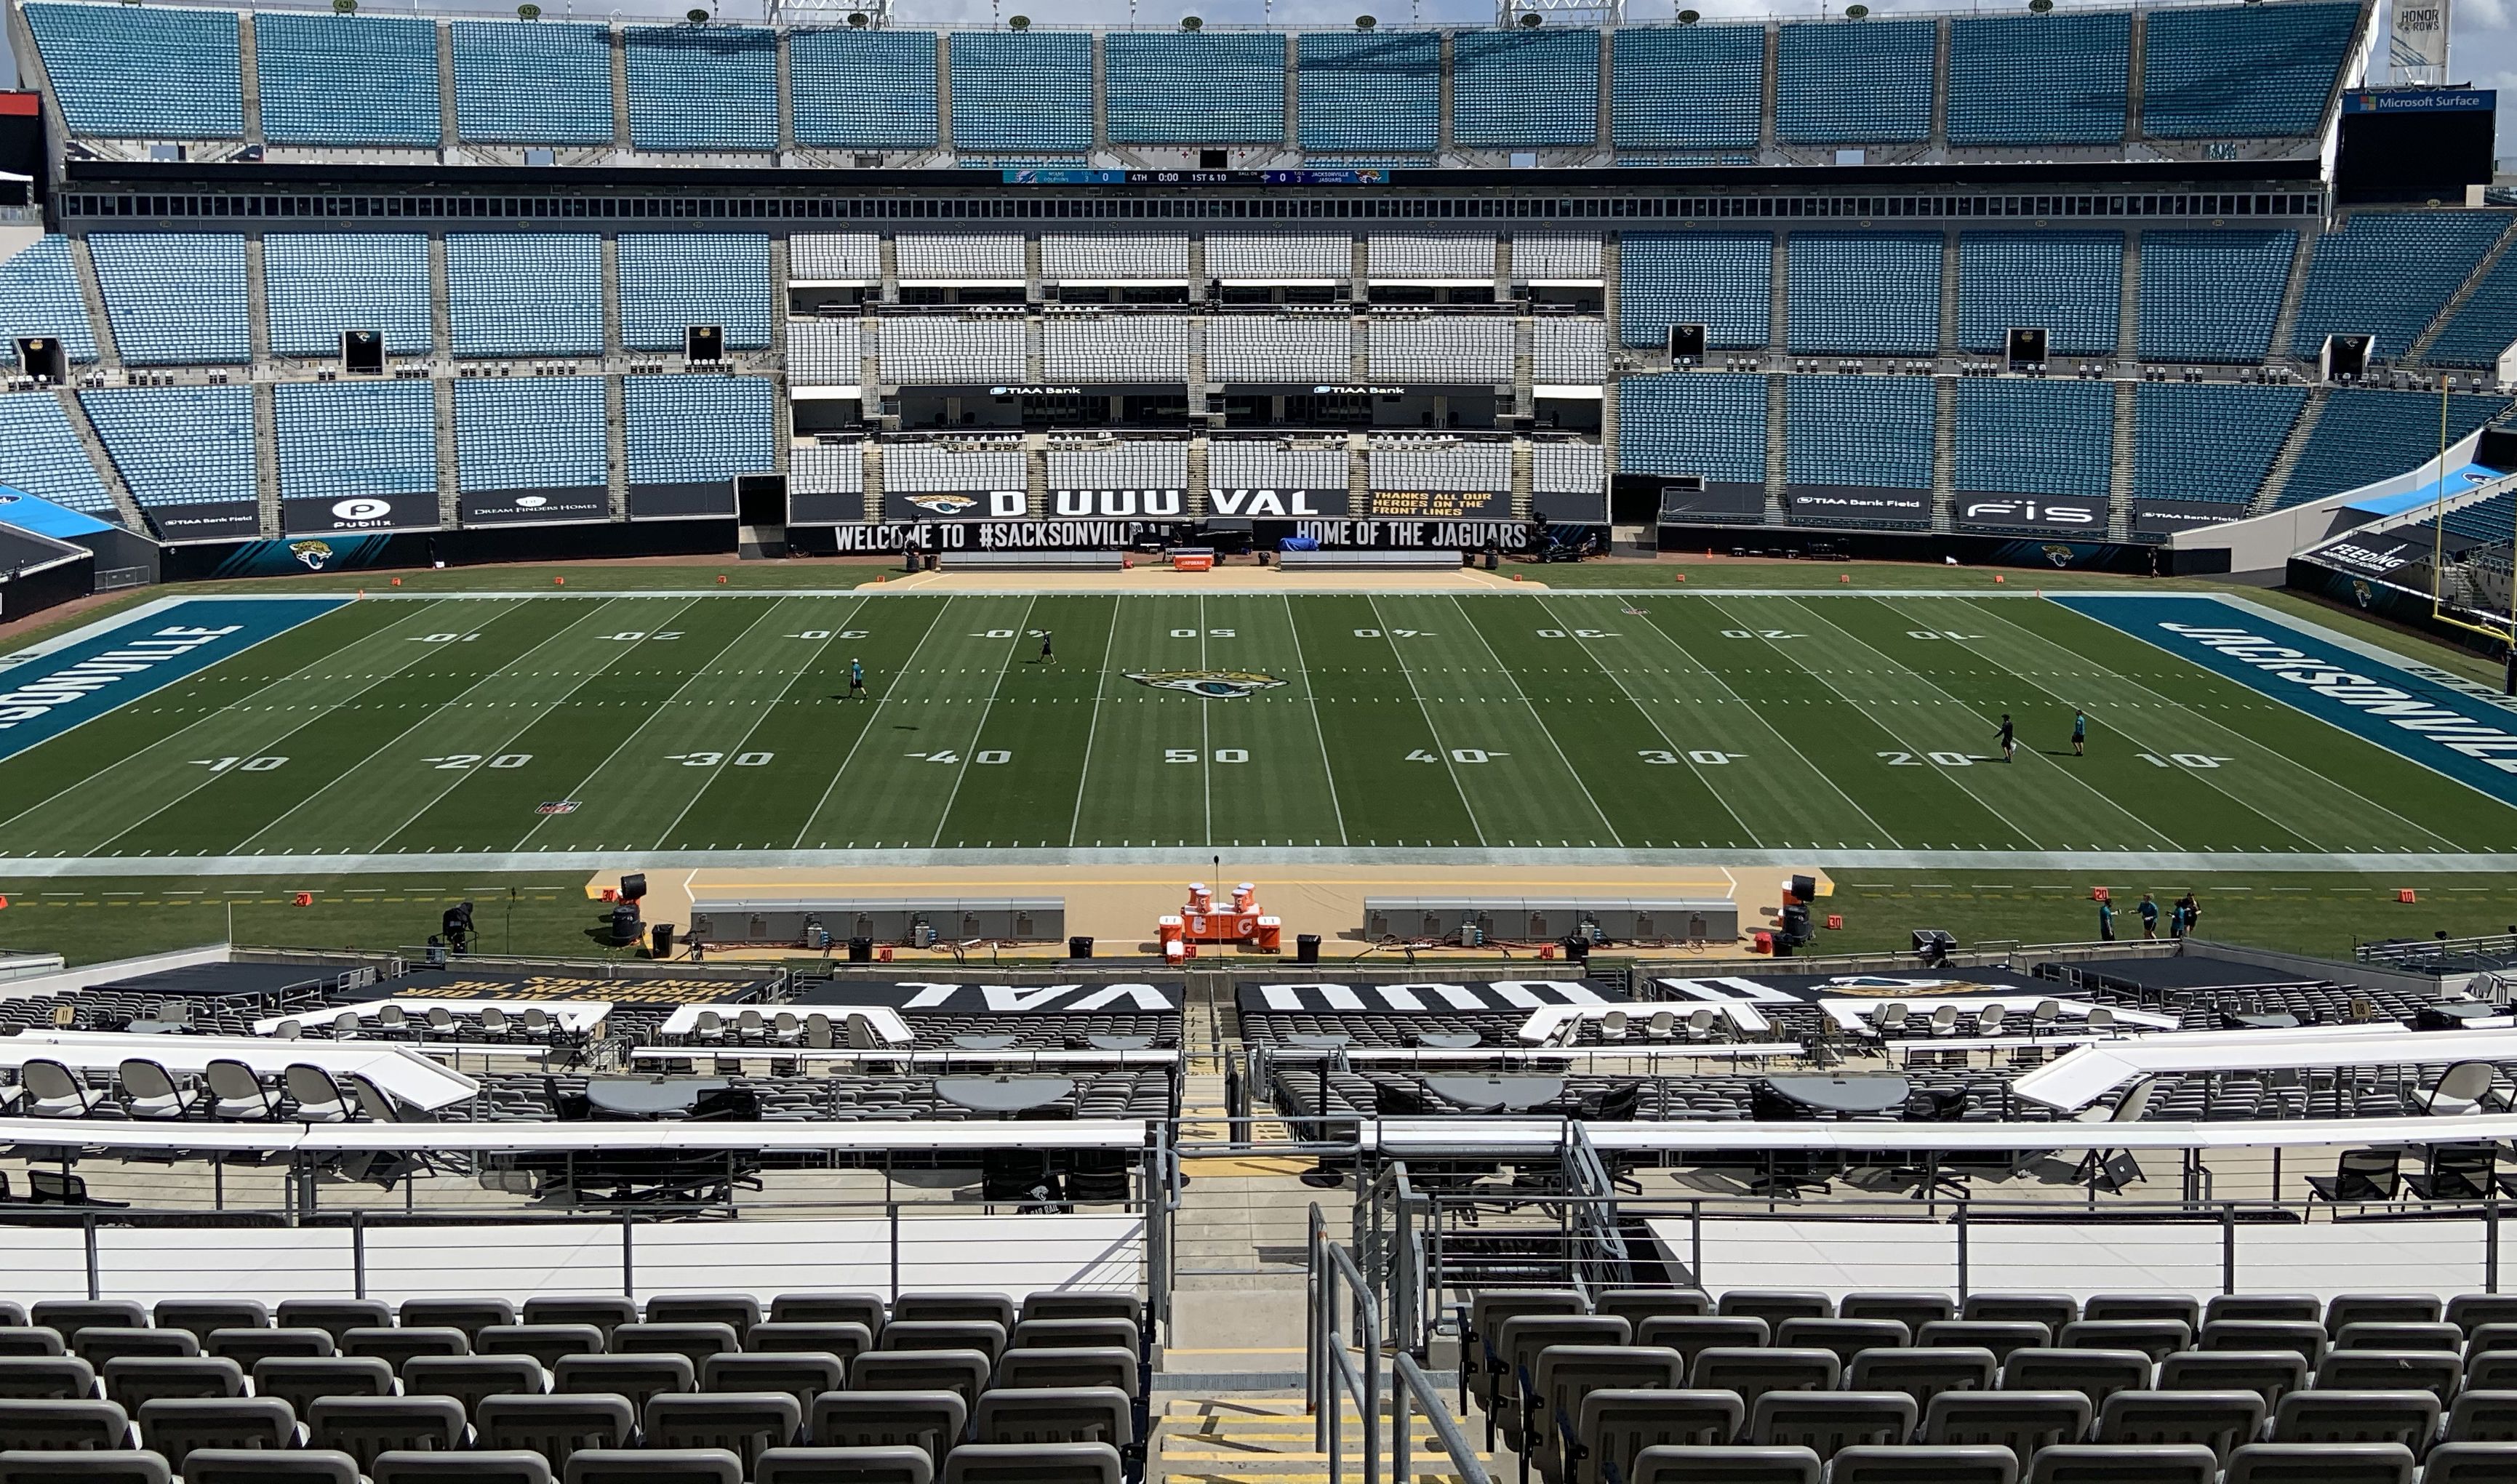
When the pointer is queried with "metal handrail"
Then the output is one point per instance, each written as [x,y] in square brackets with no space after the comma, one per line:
[1329,1373]
[1413,1385]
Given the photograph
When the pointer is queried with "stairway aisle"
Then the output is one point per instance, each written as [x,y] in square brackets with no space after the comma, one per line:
[1268,1436]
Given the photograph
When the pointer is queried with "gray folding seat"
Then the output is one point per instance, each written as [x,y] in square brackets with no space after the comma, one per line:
[1071,1333]
[478,1466]
[32,1340]
[270,1465]
[2400,1334]
[2494,1371]
[176,1425]
[470,1315]
[2150,1463]
[2157,1339]
[364,1427]
[544,1342]
[2278,1309]
[2377,1308]
[27,1422]
[467,1378]
[1754,1372]
[1482,1340]
[844,1338]
[1774,1305]
[982,1335]
[606,1312]
[738,1312]
[396,1345]
[200,1316]
[47,1377]
[13,1314]
[991,1306]
[248,1347]
[1725,1466]
[1052,1303]
[554,1425]
[2183,1308]
[836,1308]
[1634,1305]
[2052,1310]
[2483,1416]
[2482,1340]
[2269,1374]
[2321,1464]
[2002,1336]
[2095,1373]
[1922,1374]
[1566,1374]
[694,1342]
[1056,1415]
[66,1317]
[1032,1463]
[2305,1336]
[745,1423]
[652,1465]
[301,1380]
[801,1375]
[2451,1463]
[1615,1427]
[1913,1310]
[136,1378]
[1827,1423]
[1515,1350]
[1846,1338]
[119,1466]
[2408,1417]
[2021,1421]
[1104,1366]
[98,1344]
[2438,1373]
[1864,1464]
[1692,1335]
[844,1466]
[334,1316]
[2220,1421]
[931,1421]
[635,1376]
[2471,1312]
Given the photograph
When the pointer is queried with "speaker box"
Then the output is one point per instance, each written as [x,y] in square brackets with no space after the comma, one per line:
[1686,342]
[1805,888]
[363,352]
[1306,947]
[2027,347]
[1079,947]
[632,887]
[660,941]
[2348,355]
[41,356]
[860,951]
[704,342]
[1577,949]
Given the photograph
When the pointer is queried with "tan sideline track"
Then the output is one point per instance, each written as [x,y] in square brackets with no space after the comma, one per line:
[1157,580]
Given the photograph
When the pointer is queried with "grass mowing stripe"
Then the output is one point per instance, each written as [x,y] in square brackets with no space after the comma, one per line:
[493,808]
[1093,728]
[1555,744]
[102,807]
[892,793]
[2430,800]
[987,707]
[895,637]
[1950,733]
[1449,756]
[1146,781]
[1019,784]
[1266,771]
[1787,775]
[2284,805]
[1371,728]
[806,684]
[367,805]
[1310,697]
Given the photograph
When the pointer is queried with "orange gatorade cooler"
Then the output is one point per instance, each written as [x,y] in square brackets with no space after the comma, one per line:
[1169,930]
[1270,933]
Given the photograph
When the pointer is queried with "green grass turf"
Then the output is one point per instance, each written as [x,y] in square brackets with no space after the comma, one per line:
[1565,718]
[92,919]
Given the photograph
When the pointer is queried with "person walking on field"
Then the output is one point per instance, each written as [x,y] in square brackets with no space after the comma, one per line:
[856,677]
[2079,733]
[2149,916]
[1046,657]
[2009,737]
[2105,920]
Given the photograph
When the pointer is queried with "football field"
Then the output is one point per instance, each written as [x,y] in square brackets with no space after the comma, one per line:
[655,727]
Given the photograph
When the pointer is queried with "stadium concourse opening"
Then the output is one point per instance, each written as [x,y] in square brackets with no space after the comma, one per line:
[1163,728]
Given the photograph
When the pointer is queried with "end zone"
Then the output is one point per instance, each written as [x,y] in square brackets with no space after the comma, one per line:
[94,670]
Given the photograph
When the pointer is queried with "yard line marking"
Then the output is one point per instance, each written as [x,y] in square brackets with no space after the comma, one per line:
[1448,765]
[654,712]
[2161,836]
[1021,624]
[1541,722]
[1618,676]
[1092,730]
[1205,728]
[767,711]
[210,714]
[885,699]
[2241,739]
[1312,693]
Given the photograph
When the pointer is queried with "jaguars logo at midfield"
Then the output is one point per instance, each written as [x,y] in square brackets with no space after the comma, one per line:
[1213,685]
